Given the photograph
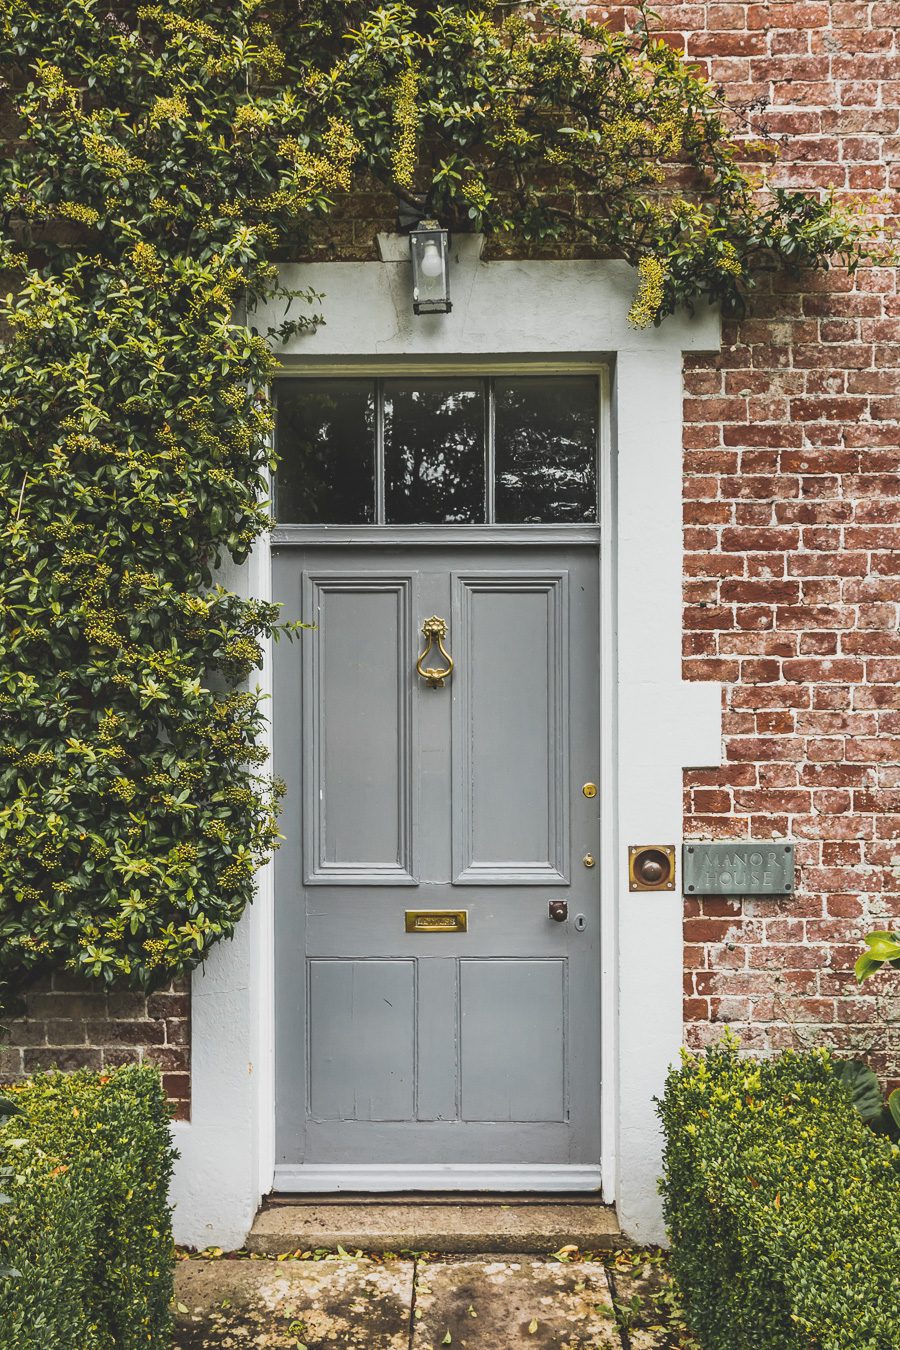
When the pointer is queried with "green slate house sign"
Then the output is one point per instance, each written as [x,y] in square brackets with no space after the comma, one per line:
[739,869]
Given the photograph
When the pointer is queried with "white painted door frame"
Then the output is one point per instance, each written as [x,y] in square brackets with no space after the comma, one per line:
[655,724]
[511,1176]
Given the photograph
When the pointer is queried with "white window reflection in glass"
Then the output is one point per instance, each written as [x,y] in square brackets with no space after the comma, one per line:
[437,451]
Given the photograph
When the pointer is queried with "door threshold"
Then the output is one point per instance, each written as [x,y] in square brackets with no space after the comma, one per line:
[505,1199]
[490,1178]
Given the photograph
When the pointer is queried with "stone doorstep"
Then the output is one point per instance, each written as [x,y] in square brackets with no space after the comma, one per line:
[444,1227]
[491,1303]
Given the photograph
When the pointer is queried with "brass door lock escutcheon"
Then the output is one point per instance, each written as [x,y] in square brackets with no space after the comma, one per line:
[590,789]
[589,860]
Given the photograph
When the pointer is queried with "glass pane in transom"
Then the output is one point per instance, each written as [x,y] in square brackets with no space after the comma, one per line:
[434,452]
[546,430]
[325,441]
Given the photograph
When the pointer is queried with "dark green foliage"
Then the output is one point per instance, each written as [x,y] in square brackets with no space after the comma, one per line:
[88,1224]
[7,1108]
[865,1093]
[134,445]
[783,1208]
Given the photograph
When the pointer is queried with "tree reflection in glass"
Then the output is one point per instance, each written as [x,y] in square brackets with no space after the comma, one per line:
[546,448]
[325,440]
[433,452]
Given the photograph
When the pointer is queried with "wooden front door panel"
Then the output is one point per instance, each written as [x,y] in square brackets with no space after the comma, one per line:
[438,1047]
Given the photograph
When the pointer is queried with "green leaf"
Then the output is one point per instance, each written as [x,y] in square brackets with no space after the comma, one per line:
[883,946]
[893,1104]
[866,966]
[862,1085]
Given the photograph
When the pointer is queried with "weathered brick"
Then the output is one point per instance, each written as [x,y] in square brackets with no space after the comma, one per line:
[71,1025]
[65,1058]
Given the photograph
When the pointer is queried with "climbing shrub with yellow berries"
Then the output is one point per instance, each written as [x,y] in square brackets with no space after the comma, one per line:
[160,157]
[142,198]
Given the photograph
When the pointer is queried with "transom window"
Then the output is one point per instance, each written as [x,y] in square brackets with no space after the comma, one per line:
[437,451]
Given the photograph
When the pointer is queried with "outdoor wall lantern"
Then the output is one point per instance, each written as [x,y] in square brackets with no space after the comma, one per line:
[429,249]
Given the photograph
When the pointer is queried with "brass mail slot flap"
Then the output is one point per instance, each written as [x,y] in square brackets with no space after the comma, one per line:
[437,920]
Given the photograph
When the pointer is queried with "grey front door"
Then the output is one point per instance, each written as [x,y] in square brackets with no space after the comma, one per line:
[423,1047]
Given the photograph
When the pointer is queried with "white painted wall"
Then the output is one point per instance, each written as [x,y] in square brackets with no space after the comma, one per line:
[659,724]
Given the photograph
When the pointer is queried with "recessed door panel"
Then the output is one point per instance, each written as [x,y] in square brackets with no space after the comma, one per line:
[511,730]
[513,1042]
[358,770]
[361,1033]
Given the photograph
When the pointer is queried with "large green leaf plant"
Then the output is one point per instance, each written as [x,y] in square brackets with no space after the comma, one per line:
[160,159]
[882,949]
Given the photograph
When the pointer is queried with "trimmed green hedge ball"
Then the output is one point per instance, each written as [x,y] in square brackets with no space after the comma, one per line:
[783,1207]
[88,1227]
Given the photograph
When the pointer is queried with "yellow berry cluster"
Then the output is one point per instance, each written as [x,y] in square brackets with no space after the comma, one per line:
[648,302]
[406,128]
[165,110]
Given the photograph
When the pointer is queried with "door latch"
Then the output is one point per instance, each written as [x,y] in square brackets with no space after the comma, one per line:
[559,910]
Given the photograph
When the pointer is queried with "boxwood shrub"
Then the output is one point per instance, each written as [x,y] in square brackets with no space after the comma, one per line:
[783,1207]
[87,1228]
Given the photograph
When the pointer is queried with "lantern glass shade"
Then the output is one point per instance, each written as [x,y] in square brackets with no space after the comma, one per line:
[429,248]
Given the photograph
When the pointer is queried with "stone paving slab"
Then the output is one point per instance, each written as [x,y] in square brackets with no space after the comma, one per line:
[493,1227]
[280,1305]
[509,1303]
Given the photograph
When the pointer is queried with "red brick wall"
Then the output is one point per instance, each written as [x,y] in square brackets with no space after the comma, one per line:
[792,568]
[65,1025]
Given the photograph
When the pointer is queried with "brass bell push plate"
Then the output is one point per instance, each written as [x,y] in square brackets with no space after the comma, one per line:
[651,867]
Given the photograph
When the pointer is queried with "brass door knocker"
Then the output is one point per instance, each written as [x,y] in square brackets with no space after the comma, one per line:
[435,630]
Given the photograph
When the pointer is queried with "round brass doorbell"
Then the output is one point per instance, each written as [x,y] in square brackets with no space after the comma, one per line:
[651,867]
